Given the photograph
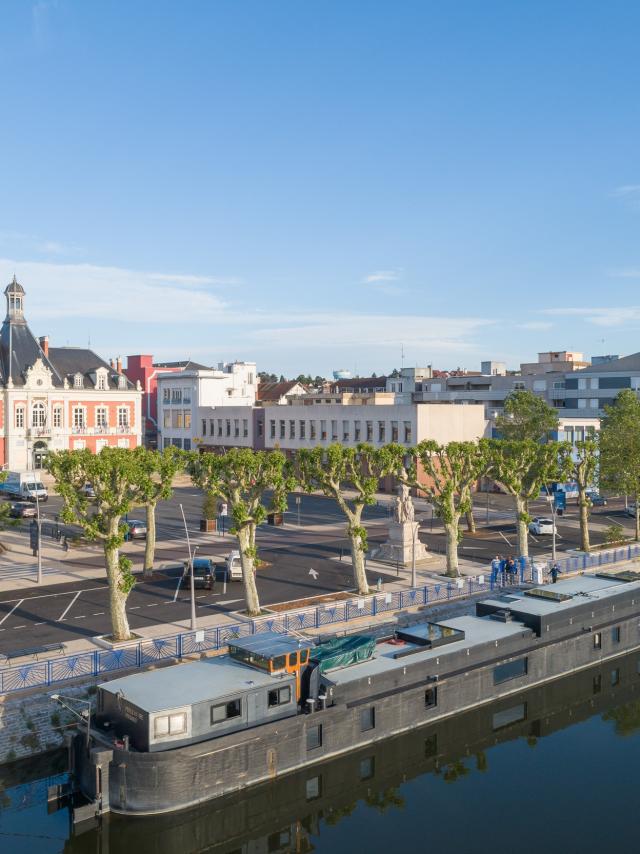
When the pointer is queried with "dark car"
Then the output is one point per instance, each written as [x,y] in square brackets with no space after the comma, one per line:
[598,500]
[22,510]
[203,573]
[136,530]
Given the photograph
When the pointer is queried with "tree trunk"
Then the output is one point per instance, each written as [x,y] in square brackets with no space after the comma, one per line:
[522,517]
[451,531]
[357,561]
[583,502]
[117,596]
[246,541]
[637,519]
[150,544]
[471,522]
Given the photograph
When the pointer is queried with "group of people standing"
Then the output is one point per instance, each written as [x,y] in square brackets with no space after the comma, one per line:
[506,569]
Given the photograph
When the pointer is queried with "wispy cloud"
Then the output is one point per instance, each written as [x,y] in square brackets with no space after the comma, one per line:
[31,243]
[536,325]
[626,190]
[382,276]
[609,316]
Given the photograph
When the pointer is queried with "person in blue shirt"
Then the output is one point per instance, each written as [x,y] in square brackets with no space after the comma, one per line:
[495,569]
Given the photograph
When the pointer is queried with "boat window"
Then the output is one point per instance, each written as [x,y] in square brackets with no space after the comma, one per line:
[293,659]
[367,719]
[304,656]
[279,696]
[430,698]
[314,737]
[253,659]
[615,634]
[224,711]
[164,725]
[510,670]
[597,641]
[279,662]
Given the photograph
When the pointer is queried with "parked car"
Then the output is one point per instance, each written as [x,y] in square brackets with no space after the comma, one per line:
[203,573]
[88,490]
[597,500]
[136,530]
[631,509]
[541,526]
[22,510]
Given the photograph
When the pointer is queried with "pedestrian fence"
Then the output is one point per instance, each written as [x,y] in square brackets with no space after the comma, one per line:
[98,662]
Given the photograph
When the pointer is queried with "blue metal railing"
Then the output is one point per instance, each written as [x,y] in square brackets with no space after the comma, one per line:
[174,647]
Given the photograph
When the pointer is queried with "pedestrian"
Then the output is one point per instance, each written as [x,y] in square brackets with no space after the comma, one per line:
[65,544]
[511,570]
[495,569]
[554,572]
[503,571]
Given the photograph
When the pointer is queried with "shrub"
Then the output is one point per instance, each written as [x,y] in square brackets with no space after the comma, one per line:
[614,534]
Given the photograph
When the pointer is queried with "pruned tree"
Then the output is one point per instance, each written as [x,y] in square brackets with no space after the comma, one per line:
[526,416]
[240,478]
[158,469]
[522,468]
[350,476]
[584,464]
[620,449]
[451,471]
[115,475]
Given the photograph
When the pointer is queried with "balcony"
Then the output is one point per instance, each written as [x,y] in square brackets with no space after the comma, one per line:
[102,431]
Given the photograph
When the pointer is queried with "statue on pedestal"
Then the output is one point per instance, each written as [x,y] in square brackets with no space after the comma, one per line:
[403,544]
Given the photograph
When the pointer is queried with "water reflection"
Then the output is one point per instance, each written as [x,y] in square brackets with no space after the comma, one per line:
[288,814]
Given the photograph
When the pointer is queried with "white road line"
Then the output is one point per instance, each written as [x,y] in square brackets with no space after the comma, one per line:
[50,595]
[19,627]
[68,608]
[39,624]
[135,607]
[227,602]
[98,614]
[153,605]
[505,539]
[175,595]
[20,601]
[80,618]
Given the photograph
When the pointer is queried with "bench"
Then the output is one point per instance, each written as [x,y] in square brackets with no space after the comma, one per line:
[35,650]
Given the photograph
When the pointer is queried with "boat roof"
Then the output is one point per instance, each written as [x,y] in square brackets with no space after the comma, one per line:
[477,630]
[271,644]
[187,684]
[563,596]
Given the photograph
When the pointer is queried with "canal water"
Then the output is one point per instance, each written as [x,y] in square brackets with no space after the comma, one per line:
[554,769]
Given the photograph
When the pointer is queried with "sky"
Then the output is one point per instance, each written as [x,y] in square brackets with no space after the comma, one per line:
[322,185]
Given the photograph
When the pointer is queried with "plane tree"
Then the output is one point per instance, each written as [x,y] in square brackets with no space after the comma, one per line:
[350,476]
[583,467]
[157,469]
[242,478]
[115,475]
[526,416]
[620,449]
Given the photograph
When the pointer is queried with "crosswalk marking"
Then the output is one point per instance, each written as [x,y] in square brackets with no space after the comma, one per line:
[7,572]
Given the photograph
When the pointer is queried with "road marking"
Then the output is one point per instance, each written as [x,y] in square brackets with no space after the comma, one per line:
[532,537]
[135,607]
[98,614]
[20,601]
[225,602]
[19,627]
[505,539]
[49,595]
[153,605]
[68,608]
[80,618]
[39,624]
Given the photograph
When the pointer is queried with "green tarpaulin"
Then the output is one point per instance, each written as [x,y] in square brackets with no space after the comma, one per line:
[343,651]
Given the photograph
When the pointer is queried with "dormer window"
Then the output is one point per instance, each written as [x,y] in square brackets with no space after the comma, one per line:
[122,382]
[101,382]
[78,381]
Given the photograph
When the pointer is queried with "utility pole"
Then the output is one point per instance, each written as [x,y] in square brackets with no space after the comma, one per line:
[39,541]
[191,556]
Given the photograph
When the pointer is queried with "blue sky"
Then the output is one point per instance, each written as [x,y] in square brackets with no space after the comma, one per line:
[312,185]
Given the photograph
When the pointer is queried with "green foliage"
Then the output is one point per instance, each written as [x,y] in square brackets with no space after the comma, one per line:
[524,467]
[620,448]
[614,534]
[451,470]
[156,471]
[526,417]
[209,506]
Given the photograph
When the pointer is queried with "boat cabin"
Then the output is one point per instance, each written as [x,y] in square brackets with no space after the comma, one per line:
[273,653]
[186,703]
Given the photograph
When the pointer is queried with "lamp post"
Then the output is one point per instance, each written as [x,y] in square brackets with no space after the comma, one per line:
[84,716]
[192,585]
[416,525]
[552,504]
[39,541]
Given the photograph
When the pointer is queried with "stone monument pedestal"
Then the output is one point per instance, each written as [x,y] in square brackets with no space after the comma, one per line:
[399,546]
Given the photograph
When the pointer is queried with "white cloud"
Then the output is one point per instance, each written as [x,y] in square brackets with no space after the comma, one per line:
[611,316]
[32,243]
[382,276]
[111,293]
[625,273]
[626,190]
[535,324]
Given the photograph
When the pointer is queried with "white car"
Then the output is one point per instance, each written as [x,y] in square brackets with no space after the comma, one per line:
[631,510]
[541,526]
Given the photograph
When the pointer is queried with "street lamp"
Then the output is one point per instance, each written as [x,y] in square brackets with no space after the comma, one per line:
[552,504]
[416,525]
[191,557]
[84,716]
[39,538]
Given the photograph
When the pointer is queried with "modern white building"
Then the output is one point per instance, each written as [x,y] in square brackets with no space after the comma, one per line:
[186,398]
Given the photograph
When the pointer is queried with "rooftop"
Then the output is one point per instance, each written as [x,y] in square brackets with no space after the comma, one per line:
[270,644]
[186,684]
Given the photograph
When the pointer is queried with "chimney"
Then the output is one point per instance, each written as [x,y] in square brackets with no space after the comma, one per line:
[113,364]
[44,345]
[119,365]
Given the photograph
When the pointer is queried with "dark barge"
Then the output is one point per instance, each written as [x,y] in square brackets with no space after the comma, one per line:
[172,738]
